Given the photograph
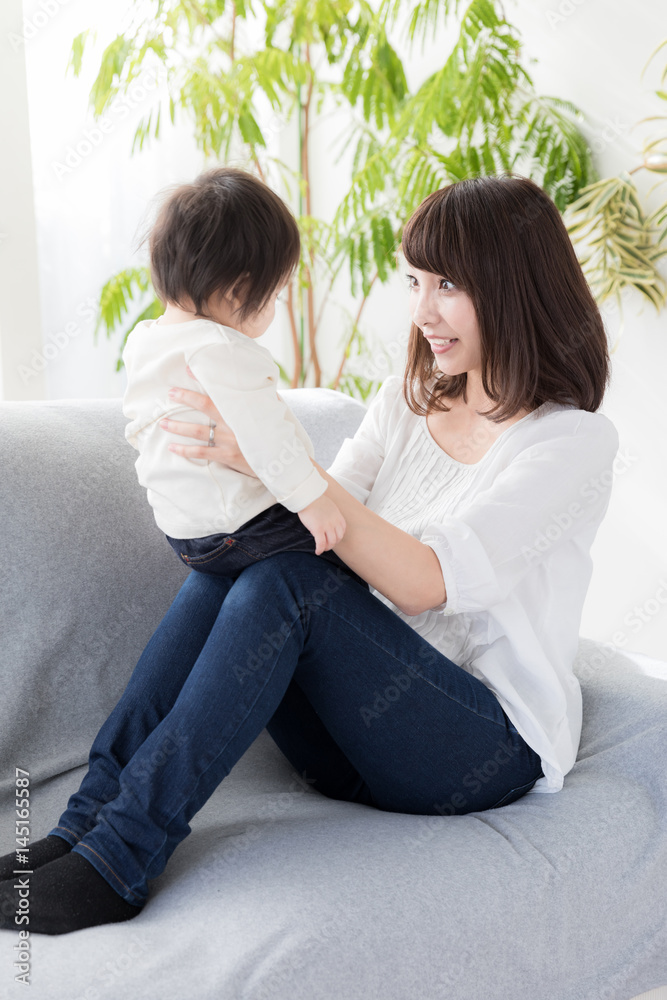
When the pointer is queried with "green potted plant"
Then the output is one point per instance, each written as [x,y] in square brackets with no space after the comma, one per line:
[477,114]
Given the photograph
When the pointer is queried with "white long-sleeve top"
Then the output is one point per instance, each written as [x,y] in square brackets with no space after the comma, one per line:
[513,534]
[192,498]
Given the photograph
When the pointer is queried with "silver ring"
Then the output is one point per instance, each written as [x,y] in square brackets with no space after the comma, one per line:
[211,436]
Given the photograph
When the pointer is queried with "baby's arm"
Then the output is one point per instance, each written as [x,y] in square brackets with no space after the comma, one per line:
[241,380]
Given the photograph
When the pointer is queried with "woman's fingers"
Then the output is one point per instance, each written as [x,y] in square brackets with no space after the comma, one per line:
[222,436]
[225,449]
[186,428]
[194,451]
[197,400]
[200,432]
[220,452]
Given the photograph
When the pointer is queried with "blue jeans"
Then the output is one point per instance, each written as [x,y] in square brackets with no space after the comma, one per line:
[351,694]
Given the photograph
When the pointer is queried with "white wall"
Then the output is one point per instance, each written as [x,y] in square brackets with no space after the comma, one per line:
[20,320]
[590,51]
[90,194]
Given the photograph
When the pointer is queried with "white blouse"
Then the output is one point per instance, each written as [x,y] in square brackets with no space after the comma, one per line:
[513,534]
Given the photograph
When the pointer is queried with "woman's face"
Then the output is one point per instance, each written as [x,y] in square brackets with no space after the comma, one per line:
[446,316]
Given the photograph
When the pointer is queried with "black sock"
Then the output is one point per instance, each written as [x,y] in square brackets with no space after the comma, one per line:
[66,895]
[40,853]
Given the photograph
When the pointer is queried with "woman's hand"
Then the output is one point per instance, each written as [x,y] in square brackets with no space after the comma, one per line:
[226,450]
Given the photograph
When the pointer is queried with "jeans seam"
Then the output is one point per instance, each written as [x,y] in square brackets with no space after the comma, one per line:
[411,668]
[107,865]
[222,749]
[67,829]
[235,545]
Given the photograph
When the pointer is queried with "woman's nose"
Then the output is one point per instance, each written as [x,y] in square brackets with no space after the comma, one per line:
[424,311]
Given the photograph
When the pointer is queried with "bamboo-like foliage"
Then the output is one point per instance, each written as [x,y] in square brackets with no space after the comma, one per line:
[116,296]
[619,245]
[618,240]
[477,114]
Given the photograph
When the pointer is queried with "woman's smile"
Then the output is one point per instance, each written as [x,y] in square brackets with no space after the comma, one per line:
[440,345]
[441,310]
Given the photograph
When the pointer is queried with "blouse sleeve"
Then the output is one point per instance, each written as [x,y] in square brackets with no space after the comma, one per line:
[359,459]
[543,499]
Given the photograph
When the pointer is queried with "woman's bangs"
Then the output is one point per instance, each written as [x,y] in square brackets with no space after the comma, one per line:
[429,242]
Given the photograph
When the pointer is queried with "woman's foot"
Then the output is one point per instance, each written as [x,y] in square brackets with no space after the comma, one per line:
[66,895]
[39,854]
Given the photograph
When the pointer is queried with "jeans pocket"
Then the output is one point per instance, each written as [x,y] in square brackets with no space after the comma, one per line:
[203,558]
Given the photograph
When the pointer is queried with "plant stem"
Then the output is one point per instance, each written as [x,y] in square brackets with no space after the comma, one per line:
[258,166]
[325,299]
[354,330]
[298,359]
[305,173]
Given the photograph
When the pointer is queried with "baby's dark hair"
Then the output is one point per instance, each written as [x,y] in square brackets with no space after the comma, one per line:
[226,232]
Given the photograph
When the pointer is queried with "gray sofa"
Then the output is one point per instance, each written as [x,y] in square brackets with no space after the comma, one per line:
[280,892]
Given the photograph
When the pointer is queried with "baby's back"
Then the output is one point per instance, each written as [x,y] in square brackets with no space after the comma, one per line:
[190,497]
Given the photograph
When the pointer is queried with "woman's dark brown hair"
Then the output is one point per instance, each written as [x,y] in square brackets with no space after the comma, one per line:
[226,232]
[503,242]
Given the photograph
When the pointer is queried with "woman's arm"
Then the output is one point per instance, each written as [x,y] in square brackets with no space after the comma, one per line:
[399,566]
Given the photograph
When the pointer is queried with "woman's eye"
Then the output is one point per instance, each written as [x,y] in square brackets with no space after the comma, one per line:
[444,284]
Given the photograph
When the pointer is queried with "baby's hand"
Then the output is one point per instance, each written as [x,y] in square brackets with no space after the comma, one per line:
[325,523]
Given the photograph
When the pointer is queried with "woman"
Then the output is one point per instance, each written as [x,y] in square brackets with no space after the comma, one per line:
[436,676]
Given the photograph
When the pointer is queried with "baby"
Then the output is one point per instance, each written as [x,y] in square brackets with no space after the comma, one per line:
[221,250]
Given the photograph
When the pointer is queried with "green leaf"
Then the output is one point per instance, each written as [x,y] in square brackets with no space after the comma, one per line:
[152,311]
[250,129]
[106,84]
[117,294]
[76,55]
